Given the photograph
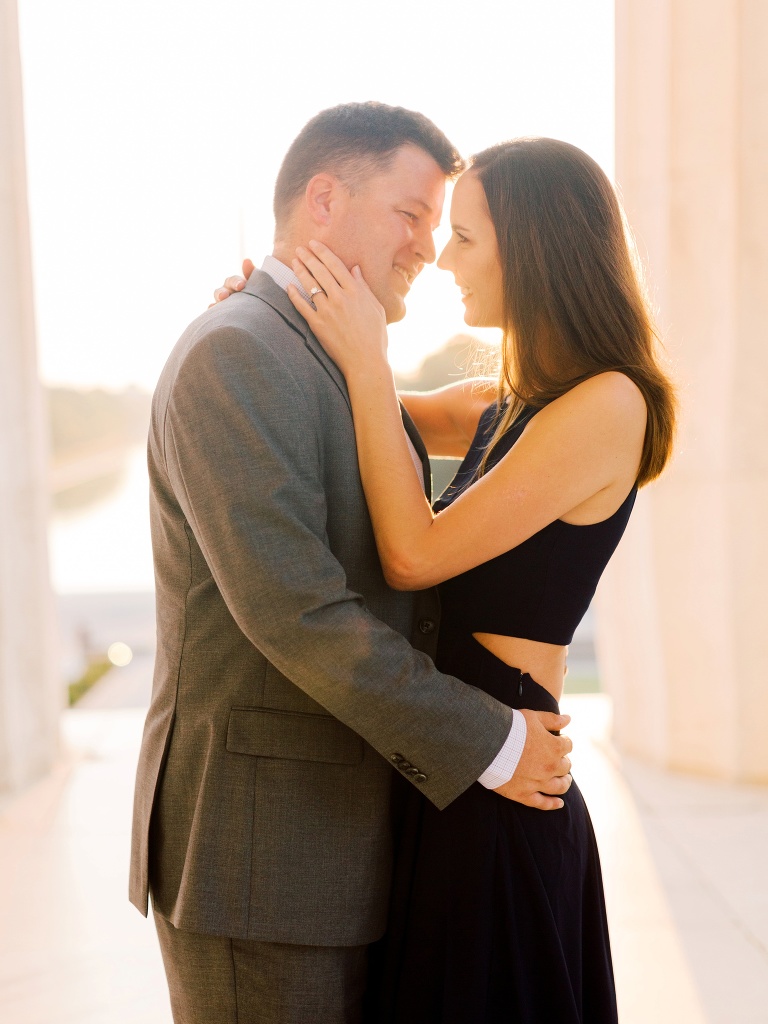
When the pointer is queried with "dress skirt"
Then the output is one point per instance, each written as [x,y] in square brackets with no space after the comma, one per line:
[497,910]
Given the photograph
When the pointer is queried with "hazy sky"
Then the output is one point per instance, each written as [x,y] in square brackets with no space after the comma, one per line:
[155,130]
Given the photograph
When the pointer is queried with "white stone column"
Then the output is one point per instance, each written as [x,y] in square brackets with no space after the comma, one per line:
[29,691]
[683,610]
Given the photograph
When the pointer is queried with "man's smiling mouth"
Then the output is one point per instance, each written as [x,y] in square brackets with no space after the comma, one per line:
[407,275]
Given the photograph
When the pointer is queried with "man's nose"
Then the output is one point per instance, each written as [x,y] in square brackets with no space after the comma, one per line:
[425,245]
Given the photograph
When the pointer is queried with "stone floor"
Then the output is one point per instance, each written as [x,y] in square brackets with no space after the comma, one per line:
[684,864]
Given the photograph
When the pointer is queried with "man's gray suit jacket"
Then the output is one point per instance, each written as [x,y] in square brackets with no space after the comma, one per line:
[287,672]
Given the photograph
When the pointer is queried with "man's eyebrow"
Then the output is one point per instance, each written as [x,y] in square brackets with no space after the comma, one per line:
[419,202]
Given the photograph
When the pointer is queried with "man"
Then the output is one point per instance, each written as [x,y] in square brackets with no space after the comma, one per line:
[286,688]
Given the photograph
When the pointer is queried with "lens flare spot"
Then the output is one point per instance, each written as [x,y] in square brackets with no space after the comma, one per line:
[120,654]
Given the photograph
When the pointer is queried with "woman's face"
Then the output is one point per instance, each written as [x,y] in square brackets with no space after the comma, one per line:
[472,255]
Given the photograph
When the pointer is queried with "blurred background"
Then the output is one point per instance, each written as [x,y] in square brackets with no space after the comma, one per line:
[138,147]
[154,134]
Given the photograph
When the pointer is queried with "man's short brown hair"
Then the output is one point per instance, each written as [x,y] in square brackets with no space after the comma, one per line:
[354,140]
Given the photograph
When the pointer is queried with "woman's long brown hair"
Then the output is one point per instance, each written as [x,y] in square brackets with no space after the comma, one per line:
[574,304]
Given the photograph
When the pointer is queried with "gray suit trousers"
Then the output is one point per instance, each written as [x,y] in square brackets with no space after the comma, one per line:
[217,980]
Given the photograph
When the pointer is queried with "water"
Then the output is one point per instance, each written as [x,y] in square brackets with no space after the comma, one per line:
[106,547]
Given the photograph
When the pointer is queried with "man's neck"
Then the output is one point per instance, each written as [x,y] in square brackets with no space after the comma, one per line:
[284,246]
[284,253]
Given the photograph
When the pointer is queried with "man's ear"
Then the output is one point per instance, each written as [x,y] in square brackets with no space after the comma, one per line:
[322,195]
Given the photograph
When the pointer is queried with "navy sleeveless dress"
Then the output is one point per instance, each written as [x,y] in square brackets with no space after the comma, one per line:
[497,910]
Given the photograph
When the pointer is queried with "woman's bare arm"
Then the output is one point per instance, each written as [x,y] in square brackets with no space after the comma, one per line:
[447,418]
[584,445]
[588,441]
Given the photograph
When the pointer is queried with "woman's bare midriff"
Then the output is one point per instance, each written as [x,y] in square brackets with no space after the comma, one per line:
[544,663]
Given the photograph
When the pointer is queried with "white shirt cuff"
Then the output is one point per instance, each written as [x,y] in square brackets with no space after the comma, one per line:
[506,761]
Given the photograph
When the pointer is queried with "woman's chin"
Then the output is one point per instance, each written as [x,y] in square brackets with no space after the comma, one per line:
[475,318]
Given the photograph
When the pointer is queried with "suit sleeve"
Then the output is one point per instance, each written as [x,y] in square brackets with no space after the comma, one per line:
[242,452]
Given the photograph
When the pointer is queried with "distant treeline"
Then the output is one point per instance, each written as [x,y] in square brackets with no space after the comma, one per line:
[83,420]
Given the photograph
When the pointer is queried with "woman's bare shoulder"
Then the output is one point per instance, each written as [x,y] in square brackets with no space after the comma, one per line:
[611,397]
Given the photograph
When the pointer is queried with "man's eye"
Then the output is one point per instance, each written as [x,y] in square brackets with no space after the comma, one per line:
[409,215]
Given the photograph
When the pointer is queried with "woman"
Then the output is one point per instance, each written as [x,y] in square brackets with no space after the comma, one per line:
[497,911]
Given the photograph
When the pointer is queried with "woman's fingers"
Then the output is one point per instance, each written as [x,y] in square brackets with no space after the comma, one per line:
[232,284]
[308,281]
[322,275]
[330,260]
[306,309]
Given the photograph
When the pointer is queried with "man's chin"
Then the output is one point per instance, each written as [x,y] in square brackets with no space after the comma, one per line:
[395,309]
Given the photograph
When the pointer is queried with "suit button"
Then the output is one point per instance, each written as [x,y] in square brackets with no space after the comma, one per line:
[413,772]
[404,766]
[421,777]
[426,626]
[396,758]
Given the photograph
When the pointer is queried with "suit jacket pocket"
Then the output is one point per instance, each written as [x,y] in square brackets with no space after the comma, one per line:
[292,736]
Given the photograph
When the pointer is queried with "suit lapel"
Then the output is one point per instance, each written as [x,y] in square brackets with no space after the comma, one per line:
[263,287]
[325,360]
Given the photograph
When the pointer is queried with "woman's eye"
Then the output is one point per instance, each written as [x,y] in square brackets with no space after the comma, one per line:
[460,238]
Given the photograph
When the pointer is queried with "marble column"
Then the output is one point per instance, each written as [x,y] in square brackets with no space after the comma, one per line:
[683,610]
[30,696]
